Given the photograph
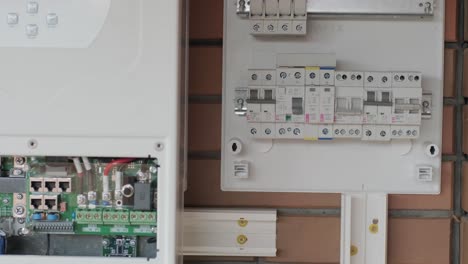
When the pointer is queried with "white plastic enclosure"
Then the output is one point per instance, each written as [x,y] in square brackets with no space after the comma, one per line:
[371,44]
[98,78]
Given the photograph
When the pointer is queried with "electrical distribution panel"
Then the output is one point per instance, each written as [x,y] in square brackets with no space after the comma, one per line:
[93,135]
[349,104]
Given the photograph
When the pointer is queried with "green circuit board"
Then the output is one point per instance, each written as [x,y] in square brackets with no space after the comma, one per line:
[6,204]
[119,246]
[52,192]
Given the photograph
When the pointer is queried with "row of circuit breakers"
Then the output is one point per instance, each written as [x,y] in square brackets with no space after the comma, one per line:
[320,103]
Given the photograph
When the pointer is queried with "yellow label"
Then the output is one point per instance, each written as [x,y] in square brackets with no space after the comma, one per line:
[354,250]
[312,68]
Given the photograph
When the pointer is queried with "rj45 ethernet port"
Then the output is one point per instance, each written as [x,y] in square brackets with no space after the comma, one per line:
[36,202]
[50,202]
[50,185]
[64,185]
[36,185]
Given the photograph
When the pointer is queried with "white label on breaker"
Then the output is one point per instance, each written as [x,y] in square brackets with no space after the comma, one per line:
[327,104]
[312,105]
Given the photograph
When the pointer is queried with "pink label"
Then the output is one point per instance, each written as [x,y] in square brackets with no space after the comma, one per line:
[307,118]
[322,118]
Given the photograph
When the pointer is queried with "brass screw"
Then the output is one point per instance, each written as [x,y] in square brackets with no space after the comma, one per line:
[241,239]
[354,250]
[242,222]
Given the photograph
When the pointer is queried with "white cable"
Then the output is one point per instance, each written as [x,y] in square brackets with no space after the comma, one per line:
[78,167]
[118,180]
[86,163]
[105,184]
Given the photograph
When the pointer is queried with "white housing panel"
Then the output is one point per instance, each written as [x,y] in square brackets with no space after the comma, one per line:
[390,143]
[97,78]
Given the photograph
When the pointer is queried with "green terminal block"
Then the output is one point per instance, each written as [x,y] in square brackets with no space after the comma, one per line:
[142,218]
[89,216]
[120,217]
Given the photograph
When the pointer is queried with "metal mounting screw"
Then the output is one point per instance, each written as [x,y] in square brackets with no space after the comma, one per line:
[256,27]
[32,143]
[19,196]
[24,231]
[6,201]
[19,210]
[21,220]
[20,160]
[428,7]
[159,146]
[242,4]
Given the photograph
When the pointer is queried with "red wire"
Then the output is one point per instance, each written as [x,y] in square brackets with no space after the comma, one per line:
[114,163]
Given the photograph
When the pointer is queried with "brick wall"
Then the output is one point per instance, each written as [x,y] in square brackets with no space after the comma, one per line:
[422,229]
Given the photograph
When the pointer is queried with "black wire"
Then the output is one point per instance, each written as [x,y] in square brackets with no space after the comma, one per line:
[151,240]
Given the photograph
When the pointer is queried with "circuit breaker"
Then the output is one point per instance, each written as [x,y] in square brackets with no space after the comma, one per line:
[92,145]
[342,106]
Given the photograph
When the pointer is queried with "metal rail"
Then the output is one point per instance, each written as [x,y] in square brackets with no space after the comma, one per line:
[360,8]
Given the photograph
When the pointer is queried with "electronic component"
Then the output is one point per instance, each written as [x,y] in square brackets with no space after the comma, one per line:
[142,196]
[119,246]
[12,185]
[53,227]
